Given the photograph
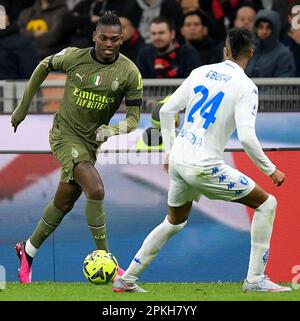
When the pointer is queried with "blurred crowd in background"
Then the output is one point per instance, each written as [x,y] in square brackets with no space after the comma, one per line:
[165,38]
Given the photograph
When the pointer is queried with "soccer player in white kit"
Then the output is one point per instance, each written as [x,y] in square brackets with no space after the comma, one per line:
[219,98]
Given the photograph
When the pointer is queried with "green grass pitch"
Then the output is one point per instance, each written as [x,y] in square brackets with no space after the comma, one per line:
[58,291]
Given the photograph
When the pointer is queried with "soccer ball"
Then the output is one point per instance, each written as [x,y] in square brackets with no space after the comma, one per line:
[100,267]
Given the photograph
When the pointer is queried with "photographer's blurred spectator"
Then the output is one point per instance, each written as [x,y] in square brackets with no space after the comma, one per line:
[15,7]
[245,16]
[43,23]
[292,37]
[165,57]
[132,40]
[195,31]
[18,57]
[72,3]
[189,5]
[223,13]
[270,58]
[280,6]
[80,23]
[110,5]
[142,12]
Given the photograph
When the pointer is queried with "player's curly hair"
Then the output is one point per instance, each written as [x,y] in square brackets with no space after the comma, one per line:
[239,41]
[108,18]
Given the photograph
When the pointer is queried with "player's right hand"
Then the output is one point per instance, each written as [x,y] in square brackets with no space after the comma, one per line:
[277,177]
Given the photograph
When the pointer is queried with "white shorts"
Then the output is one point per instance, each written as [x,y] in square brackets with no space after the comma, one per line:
[220,182]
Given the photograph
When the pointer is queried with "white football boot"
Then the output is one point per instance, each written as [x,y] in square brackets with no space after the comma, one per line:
[265,285]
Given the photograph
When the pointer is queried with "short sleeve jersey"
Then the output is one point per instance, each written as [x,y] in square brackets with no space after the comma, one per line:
[93,90]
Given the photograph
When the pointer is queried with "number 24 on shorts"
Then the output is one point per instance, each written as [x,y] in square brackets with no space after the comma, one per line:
[214,102]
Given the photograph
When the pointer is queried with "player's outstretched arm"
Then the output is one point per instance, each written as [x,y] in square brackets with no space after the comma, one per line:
[38,76]
[245,117]
[123,127]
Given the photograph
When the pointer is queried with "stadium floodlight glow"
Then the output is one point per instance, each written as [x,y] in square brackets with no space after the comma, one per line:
[2,17]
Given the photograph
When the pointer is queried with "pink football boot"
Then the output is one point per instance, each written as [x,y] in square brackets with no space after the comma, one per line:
[24,270]
[119,273]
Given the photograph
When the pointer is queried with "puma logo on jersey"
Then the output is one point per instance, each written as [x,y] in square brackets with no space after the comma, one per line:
[61,53]
[80,77]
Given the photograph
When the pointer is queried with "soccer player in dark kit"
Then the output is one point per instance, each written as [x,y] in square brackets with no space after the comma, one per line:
[98,79]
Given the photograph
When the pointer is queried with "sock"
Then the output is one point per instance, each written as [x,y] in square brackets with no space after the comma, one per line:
[30,252]
[150,248]
[48,223]
[95,216]
[261,232]
[30,249]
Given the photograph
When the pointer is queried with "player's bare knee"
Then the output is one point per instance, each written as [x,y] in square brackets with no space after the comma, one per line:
[178,215]
[96,193]
[176,220]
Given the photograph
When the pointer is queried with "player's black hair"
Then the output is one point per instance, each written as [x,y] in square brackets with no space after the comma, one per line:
[108,18]
[239,40]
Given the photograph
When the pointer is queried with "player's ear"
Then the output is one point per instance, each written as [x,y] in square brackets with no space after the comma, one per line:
[250,53]
[225,53]
[94,36]
[173,35]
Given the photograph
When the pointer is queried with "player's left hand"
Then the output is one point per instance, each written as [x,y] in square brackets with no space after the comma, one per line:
[15,124]
[166,164]
[16,120]
[103,133]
